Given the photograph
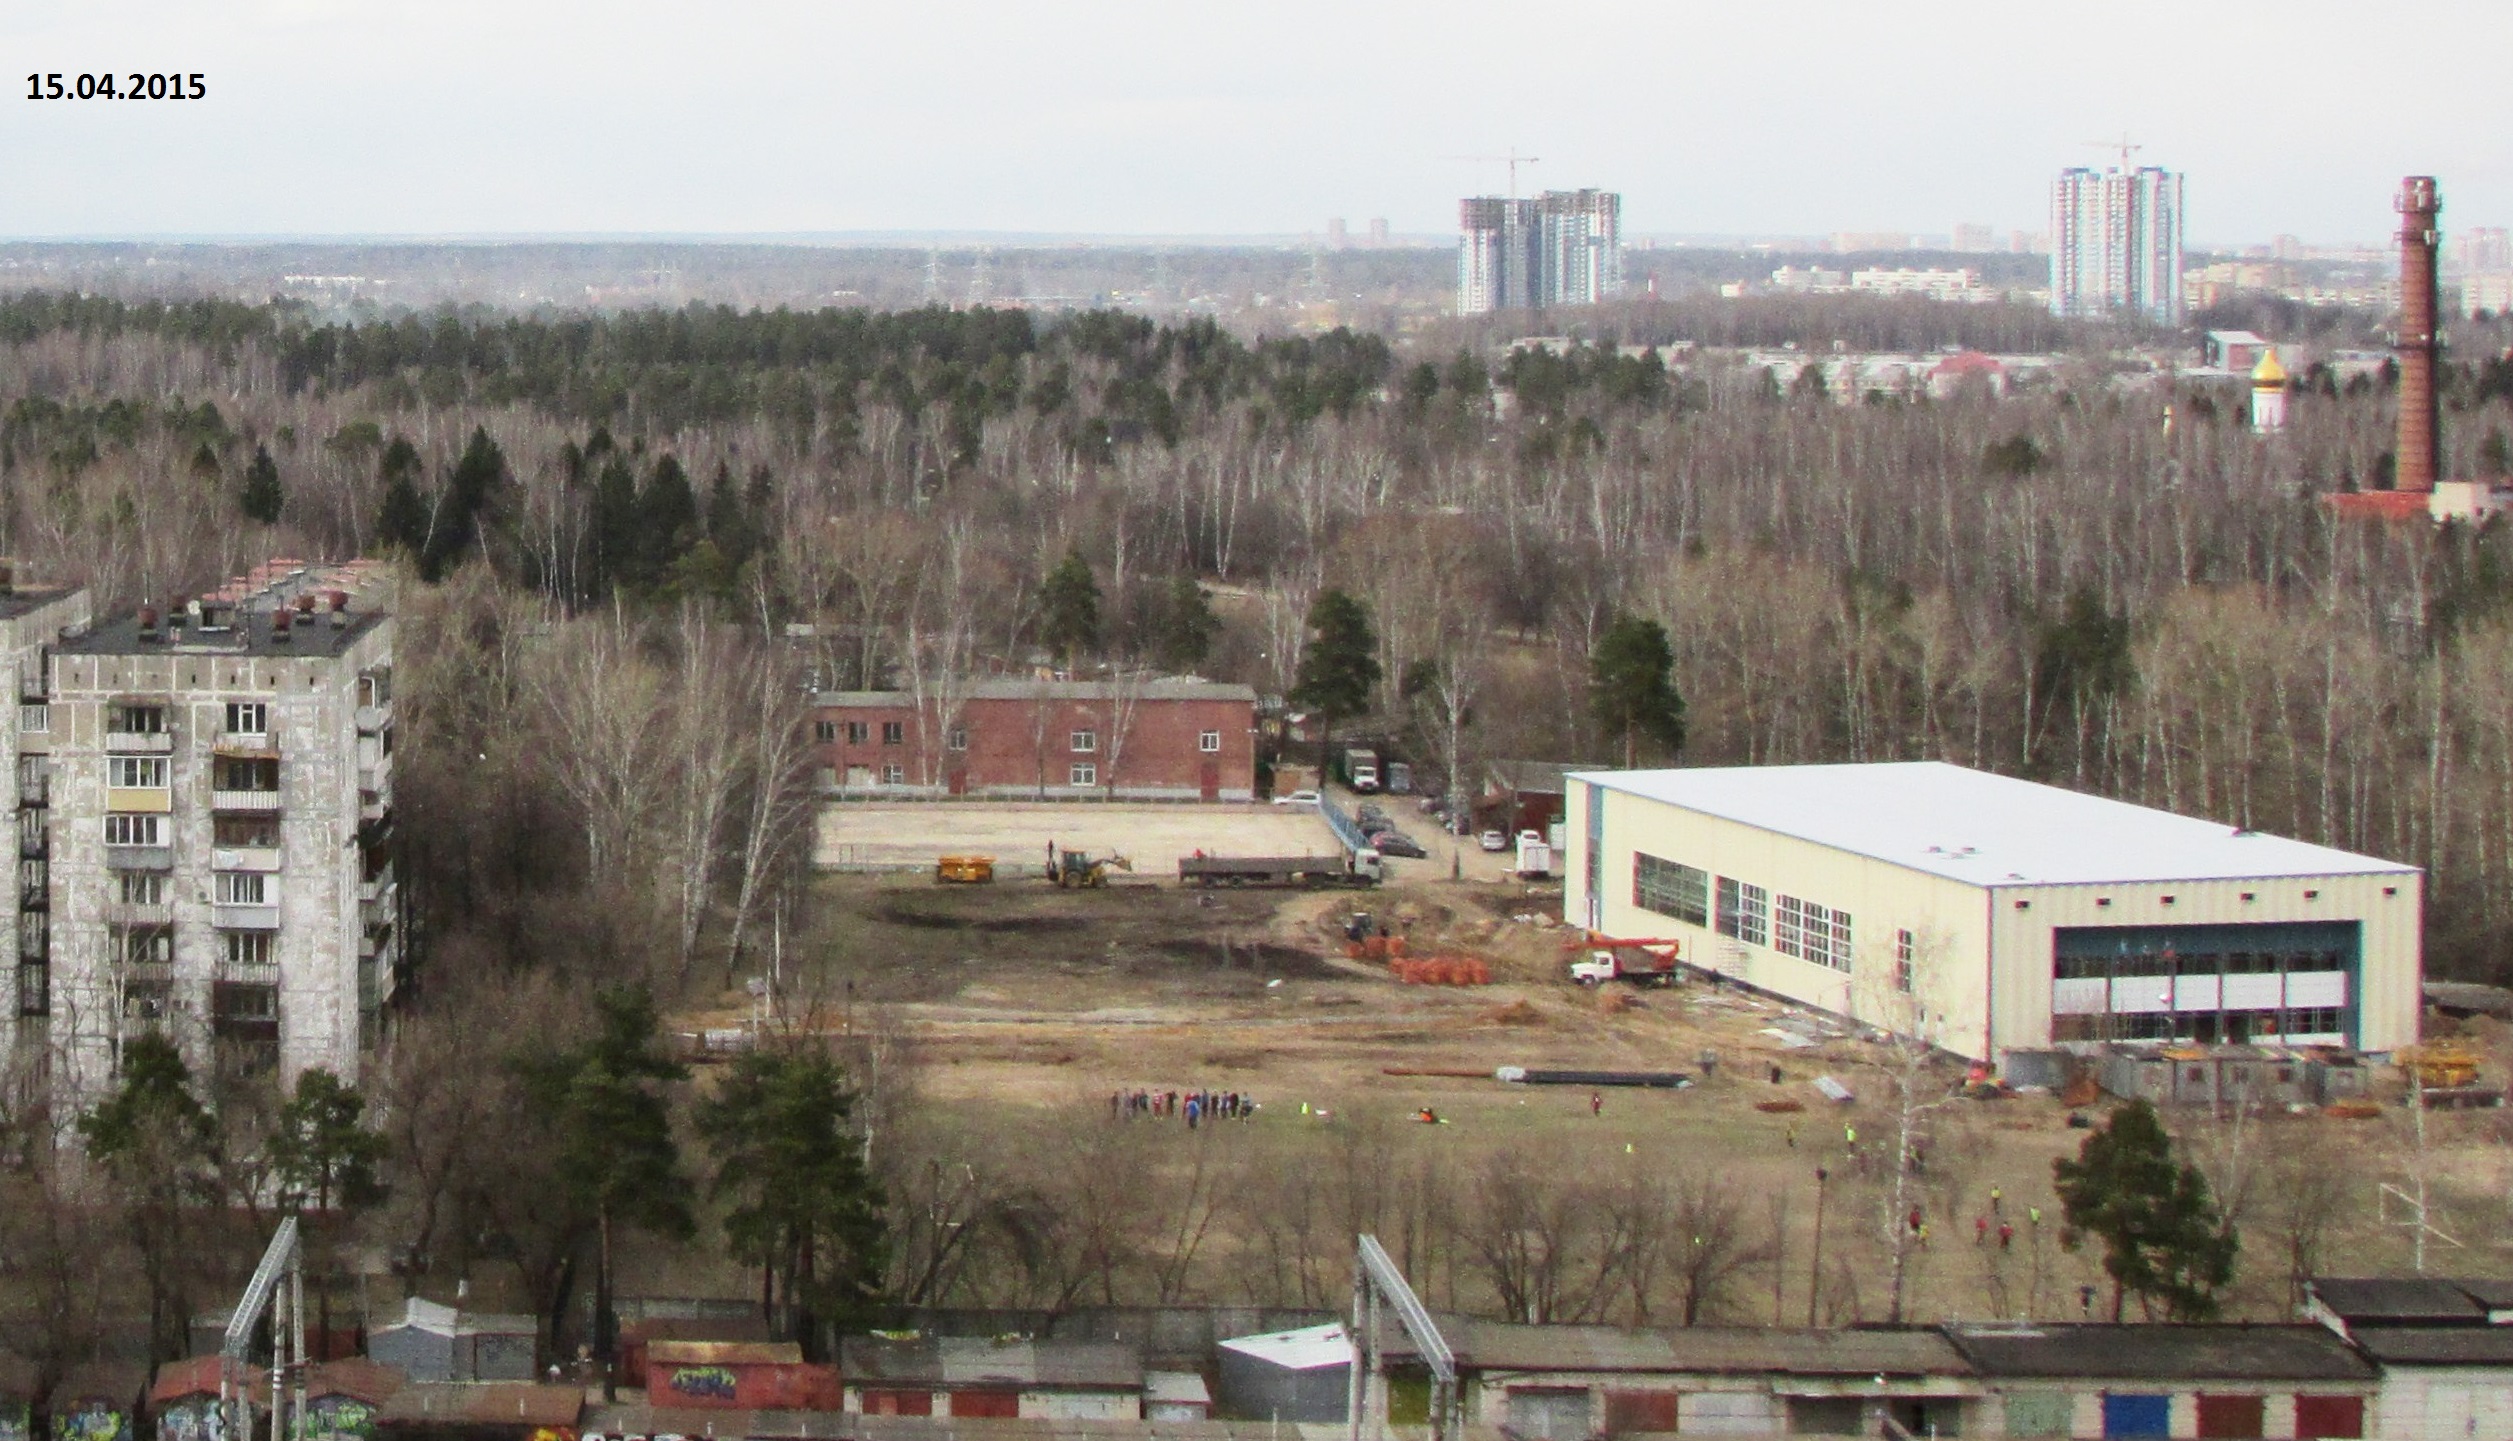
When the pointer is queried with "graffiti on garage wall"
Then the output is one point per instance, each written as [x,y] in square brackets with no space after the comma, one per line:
[714,1383]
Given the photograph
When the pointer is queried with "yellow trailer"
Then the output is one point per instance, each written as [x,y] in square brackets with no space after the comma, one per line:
[965,870]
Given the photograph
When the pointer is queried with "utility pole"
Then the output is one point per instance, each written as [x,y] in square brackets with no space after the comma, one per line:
[1815,1277]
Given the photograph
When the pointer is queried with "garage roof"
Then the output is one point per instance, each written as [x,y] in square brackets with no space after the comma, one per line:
[1984,829]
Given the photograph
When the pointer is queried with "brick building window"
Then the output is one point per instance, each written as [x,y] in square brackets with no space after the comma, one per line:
[894,733]
[957,739]
[857,732]
[1085,775]
[825,732]
[1084,742]
[894,775]
[1209,742]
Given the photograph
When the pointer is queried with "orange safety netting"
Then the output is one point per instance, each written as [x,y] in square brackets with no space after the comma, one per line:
[1441,971]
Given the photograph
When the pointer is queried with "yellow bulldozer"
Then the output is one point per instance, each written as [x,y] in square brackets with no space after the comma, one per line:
[1080,870]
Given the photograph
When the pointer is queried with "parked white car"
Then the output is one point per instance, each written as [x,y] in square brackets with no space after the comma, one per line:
[1297,798]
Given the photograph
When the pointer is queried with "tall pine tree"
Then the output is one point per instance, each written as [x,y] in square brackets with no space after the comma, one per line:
[262,498]
[2163,1238]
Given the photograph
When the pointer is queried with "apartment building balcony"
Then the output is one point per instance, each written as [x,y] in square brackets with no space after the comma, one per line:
[127,913]
[244,802]
[33,686]
[34,948]
[374,805]
[33,842]
[245,858]
[34,990]
[139,858]
[244,918]
[246,745]
[139,743]
[377,904]
[34,793]
[147,800]
[372,719]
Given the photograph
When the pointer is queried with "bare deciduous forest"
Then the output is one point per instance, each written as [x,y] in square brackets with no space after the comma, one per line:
[610,523]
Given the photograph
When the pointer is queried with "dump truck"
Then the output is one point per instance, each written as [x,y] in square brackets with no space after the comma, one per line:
[1597,959]
[964,870]
[1361,868]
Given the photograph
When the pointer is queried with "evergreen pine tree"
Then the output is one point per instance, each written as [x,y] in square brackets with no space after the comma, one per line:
[803,1206]
[1188,627]
[1340,665]
[262,499]
[1631,687]
[1068,609]
[2163,1238]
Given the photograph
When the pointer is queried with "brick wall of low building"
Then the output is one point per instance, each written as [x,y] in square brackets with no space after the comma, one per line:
[1047,746]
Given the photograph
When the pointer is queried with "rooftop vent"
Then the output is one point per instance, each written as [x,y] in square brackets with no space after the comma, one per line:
[340,608]
[148,622]
[8,578]
[279,622]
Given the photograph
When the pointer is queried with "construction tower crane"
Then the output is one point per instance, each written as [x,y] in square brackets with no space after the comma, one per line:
[2122,145]
[1513,160]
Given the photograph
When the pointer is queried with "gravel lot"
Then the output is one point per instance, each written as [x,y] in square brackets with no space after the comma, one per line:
[873,835]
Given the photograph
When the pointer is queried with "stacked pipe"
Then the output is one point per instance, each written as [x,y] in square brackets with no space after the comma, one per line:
[2420,421]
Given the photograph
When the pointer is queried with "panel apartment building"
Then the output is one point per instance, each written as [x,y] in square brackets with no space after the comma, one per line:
[205,830]
[2116,243]
[1565,247]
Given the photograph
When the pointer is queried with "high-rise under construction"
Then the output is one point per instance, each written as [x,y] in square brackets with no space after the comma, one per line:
[1564,247]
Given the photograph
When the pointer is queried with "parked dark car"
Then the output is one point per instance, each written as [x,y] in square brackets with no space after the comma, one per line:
[1397,843]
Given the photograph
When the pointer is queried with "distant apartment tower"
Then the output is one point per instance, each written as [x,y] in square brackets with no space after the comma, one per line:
[2116,243]
[205,831]
[1378,233]
[1565,247]
[1338,235]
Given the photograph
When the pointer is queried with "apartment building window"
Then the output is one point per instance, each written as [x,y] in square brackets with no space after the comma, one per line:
[136,772]
[127,829]
[248,948]
[244,773]
[244,1018]
[247,832]
[143,888]
[857,732]
[1084,742]
[148,998]
[136,720]
[1744,912]
[1084,775]
[1209,742]
[241,888]
[1670,889]
[1904,954]
[248,718]
[957,739]
[894,775]
[140,945]
[894,733]
[35,718]
[825,732]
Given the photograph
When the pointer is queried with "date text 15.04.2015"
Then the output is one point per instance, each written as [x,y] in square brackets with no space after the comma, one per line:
[113,86]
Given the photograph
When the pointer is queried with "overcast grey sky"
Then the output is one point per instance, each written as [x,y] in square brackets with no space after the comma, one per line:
[1129,116]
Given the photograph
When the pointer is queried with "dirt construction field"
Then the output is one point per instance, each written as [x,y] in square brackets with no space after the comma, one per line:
[874,835]
[1028,1008]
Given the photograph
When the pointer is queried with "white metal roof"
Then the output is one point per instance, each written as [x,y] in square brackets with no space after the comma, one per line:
[1303,1350]
[1985,829]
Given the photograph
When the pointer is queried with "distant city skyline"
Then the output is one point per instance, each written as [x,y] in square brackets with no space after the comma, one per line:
[1125,118]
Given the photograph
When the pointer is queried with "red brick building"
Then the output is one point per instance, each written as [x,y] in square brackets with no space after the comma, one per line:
[1015,739]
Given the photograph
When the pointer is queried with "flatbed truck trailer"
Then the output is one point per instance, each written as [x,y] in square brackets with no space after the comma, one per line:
[1361,869]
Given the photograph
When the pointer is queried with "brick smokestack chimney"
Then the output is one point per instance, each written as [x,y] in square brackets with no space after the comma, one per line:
[2420,421]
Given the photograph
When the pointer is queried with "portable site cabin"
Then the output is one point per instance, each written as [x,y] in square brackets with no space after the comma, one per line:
[433,1342]
[1301,1375]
